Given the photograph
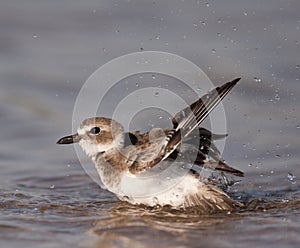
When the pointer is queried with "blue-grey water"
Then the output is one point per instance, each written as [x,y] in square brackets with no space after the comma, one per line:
[48,49]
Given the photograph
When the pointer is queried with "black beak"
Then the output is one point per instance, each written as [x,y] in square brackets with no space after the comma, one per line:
[69,139]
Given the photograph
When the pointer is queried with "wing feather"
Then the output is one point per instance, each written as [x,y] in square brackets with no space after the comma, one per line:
[184,123]
[191,117]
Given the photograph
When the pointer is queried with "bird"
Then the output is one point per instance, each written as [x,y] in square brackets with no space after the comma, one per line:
[123,158]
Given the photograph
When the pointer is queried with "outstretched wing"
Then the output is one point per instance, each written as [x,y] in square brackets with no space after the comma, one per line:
[187,120]
[184,122]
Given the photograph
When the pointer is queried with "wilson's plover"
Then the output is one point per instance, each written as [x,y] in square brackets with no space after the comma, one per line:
[122,159]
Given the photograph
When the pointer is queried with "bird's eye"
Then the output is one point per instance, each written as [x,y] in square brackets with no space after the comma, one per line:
[95,130]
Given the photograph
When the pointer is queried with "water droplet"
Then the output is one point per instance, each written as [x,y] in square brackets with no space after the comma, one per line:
[203,23]
[52,186]
[207,5]
[235,29]
[157,37]
[245,13]
[155,200]
[219,34]
[257,79]
[297,66]
[277,156]
[298,126]
[153,76]
[291,177]
[250,164]
[213,50]
[34,36]
[156,94]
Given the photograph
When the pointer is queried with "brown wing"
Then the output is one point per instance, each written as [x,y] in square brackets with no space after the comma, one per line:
[148,150]
[191,117]
[185,122]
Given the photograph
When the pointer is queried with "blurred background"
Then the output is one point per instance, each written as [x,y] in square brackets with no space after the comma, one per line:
[48,49]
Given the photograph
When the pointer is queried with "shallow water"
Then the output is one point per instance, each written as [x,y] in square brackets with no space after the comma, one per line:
[49,49]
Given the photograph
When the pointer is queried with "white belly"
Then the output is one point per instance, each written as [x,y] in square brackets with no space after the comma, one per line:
[152,192]
[174,186]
